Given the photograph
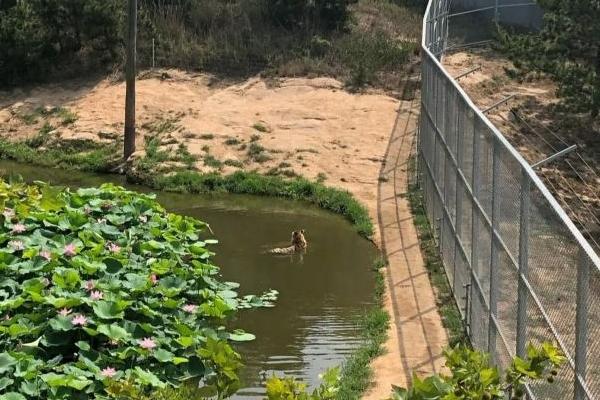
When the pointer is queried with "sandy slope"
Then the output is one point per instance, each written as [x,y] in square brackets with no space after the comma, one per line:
[313,124]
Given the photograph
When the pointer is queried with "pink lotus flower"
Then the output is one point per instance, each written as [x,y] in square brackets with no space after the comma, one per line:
[96,295]
[147,343]
[18,228]
[153,279]
[87,210]
[16,244]
[79,320]
[65,311]
[45,281]
[113,342]
[70,250]
[108,372]
[7,317]
[89,285]
[46,255]
[8,213]
[101,220]
[190,308]
[114,248]
[143,218]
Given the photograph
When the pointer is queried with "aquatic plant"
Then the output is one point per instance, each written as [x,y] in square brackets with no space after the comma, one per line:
[101,288]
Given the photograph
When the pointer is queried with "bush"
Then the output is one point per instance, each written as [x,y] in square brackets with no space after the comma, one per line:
[311,14]
[471,378]
[102,289]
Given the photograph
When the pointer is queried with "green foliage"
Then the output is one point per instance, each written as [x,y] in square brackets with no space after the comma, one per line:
[566,48]
[311,14]
[38,36]
[65,38]
[290,389]
[472,377]
[78,154]
[101,289]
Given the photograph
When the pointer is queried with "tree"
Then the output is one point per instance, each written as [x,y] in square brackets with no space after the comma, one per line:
[129,142]
[567,48]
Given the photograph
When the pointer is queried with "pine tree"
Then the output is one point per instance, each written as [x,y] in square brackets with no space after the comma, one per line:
[567,48]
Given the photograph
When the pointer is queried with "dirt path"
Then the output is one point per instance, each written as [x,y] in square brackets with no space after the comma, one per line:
[417,336]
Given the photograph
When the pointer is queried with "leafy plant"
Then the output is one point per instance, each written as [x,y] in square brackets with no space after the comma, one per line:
[102,286]
[472,377]
[290,389]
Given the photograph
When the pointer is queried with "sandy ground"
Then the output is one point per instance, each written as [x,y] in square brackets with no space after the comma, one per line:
[311,124]
[539,130]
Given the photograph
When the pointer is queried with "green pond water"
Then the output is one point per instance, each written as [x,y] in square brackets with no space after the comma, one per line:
[313,326]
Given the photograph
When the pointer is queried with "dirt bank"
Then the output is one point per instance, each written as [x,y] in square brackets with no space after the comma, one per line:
[309,127]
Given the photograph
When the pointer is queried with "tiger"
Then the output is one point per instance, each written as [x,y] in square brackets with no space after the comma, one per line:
[298,244]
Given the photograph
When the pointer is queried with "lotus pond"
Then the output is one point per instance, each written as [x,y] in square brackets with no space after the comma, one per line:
[321,294]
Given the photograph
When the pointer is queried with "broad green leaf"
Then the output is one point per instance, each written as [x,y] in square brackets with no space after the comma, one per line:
[108,310]
[5,382]
[12,396]
[163,355]
[147,378]
[60,323]
[6,362]
[240,336]
[113,331]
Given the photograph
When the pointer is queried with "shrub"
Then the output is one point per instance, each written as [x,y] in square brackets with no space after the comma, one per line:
[102,288]
[315,14]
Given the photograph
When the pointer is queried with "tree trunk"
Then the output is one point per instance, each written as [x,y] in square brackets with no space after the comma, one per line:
[129,142]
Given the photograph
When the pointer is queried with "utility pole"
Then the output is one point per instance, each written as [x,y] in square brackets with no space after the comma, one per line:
[129,142]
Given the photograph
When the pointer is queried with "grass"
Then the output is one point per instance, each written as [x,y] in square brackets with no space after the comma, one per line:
[260,127]
[257,153]
[233,163]
[240,182]
[211,161]
[81,155]
[232,141]
[356,372]
[66,116]
[254,138]
[448,309]
[161,126]
[207,136]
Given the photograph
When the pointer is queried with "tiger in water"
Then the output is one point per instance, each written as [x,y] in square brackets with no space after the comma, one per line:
[298,244]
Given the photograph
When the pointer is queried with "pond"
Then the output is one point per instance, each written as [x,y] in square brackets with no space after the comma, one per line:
[313,326]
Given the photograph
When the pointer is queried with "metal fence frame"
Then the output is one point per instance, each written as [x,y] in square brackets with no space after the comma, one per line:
[520,269]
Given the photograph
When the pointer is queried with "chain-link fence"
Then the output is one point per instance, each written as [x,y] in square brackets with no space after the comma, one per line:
[520,270]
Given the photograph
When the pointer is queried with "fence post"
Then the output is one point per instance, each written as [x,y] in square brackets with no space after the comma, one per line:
[581,327]
[496,12]
[494,273]
[457,198]
[474,217]
[523,264]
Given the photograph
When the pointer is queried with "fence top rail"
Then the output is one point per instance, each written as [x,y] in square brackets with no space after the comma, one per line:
[535,179]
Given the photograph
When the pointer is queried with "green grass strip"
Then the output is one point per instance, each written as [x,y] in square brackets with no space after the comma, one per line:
[357,374]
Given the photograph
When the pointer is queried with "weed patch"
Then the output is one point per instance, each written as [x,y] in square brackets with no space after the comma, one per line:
[260,127]
[232,141]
